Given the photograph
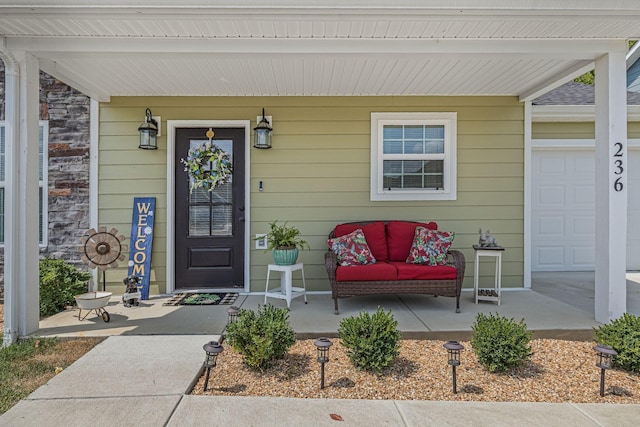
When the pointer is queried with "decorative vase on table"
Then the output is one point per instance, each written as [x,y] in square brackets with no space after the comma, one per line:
[284,241]
[285,256]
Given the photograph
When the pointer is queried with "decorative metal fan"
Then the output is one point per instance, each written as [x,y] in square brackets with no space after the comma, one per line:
[103,249]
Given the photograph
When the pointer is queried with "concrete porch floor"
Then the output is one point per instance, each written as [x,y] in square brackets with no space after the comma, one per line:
[559,305]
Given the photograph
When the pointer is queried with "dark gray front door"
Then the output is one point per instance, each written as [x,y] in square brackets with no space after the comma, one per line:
[209,227]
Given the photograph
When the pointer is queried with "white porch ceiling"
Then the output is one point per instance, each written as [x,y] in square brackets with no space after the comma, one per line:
[285,47]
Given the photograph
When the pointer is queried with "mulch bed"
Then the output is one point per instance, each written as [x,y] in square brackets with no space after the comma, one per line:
[559,371]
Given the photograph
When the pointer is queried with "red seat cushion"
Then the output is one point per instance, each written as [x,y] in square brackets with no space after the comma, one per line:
[424,272]
[400,236]
[375,235]
[367,273]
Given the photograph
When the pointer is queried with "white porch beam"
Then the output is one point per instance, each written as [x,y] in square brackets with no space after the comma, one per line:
[21,196]
[74,79]
[576,49]
[611,185]
[557,80]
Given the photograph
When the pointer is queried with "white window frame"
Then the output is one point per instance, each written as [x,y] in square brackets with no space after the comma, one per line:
[447,119]
[42,183]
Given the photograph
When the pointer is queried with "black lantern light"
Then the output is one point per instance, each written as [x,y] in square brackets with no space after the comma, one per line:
[453,352]
[232,313]
[212,349]
[604,361]
[262,133]
[148,132]
[322,345]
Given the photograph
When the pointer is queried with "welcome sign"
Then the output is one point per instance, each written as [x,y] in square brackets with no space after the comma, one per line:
[141,241]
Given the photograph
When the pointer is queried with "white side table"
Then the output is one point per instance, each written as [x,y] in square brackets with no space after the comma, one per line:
[286,291]
[488,294]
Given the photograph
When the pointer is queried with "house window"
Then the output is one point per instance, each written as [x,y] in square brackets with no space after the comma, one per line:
[42,208]
[413,156]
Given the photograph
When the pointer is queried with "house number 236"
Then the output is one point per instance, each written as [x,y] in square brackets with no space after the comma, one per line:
[618,167]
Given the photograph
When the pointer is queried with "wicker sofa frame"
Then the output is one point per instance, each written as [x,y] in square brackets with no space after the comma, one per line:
[445,288]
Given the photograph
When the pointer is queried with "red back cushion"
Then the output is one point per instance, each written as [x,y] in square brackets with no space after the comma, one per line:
[374,233]
[400,236]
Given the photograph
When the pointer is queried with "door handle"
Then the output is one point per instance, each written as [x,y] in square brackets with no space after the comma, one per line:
[241,209]
[241,219]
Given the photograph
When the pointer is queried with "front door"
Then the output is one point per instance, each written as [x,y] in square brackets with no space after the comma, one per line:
[210,224]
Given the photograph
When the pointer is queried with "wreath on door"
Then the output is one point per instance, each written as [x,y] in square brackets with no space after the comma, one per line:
[208,165]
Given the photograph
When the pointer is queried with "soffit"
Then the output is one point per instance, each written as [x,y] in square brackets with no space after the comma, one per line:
[283,49]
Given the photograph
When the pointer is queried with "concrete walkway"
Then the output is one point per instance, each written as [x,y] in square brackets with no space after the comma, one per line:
[142,381]
[140,374]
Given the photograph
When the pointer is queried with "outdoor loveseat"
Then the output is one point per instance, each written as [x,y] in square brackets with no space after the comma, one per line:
[391,265]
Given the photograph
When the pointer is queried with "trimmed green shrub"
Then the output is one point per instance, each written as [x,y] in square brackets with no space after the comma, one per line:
[500,343]
[261,337]
[59,283]
[623,335]
[372,341]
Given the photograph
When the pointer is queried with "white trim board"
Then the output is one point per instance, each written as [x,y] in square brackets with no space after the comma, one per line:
[94,177]
[172,125]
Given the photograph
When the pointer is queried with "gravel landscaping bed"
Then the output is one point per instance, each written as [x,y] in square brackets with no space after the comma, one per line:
[559,371]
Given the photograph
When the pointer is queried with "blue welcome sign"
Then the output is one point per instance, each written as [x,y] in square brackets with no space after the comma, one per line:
[142,240]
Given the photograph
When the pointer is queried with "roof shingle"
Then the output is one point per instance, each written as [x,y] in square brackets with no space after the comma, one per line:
[573,93]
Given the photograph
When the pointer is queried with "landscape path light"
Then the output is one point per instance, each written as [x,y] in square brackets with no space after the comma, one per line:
[212,349]
[604,361]
[322,345]
[453,353]
[232,313]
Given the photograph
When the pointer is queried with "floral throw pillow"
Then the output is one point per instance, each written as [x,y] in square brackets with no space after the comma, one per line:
[352,249]
[430,247]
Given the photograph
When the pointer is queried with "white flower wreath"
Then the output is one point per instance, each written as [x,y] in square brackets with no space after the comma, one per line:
[208,165]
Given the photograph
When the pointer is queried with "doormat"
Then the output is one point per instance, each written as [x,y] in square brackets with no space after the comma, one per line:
[197,298]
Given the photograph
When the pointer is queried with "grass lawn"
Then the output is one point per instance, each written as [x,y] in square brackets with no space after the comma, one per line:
[32,362]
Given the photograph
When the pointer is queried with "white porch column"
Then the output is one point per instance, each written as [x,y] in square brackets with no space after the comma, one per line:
[22,297]
[611,185]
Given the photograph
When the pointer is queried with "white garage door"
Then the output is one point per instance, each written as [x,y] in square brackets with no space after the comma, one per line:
[563,210]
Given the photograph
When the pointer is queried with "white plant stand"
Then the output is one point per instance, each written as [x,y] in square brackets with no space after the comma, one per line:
[488,294]
[286,291]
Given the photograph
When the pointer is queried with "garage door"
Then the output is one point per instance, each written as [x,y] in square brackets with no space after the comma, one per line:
[563,211]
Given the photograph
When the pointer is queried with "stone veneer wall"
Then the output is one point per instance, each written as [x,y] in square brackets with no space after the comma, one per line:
[67,111]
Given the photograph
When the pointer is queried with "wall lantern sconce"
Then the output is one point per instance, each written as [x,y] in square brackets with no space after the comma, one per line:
[604,361]
[453,352]
[262,133]
[148,132]
[322,345]
[212,349]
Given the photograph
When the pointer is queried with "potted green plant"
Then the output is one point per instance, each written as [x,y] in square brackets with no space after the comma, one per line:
[284,241]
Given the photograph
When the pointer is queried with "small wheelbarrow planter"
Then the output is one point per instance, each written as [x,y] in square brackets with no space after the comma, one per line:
[95,301]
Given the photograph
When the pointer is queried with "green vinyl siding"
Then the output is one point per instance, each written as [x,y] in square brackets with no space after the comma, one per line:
[575,130]
[317,173]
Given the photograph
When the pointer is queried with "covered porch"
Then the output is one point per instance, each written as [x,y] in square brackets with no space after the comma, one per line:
[258,50]
[559,305]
